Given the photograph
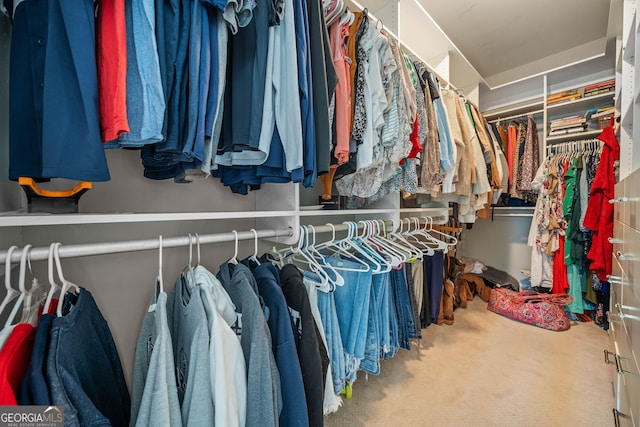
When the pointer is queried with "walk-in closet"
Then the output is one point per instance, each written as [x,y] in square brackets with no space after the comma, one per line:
[319,213]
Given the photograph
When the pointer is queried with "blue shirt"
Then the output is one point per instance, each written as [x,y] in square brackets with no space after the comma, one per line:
[294,405]
[83,368]
[54,129]
[306,93]
[145,96]
[35,390]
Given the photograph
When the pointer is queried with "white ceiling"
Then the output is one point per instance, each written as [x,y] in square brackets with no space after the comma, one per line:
[507,40]
[497,42]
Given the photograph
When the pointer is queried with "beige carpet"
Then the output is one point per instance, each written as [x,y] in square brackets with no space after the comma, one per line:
[487,370]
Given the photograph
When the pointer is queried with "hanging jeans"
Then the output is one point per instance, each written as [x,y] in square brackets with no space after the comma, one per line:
[352,307]
[417,331]
[403,308]
[378,331]
[327,307]
[393,321]
[434,277]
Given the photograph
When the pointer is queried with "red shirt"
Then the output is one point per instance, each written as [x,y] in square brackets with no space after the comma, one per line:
[599,215]
[111,56]
[15,357]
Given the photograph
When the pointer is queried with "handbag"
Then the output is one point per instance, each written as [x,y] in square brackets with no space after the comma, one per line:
[542,310]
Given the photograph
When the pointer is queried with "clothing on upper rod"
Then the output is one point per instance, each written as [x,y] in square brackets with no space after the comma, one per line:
[194,121]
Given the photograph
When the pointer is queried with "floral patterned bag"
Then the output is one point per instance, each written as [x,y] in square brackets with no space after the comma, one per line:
[542,310]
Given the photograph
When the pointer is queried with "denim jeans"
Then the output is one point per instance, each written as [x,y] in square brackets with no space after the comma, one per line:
[352,306]
[434,277]
[378,331]
[417,331]
[403,308]
[393,321]
[327,307]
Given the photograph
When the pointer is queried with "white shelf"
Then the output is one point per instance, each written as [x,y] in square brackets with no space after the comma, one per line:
[523,107]
[582,103]
[121,218]
[345,212]
[592,133]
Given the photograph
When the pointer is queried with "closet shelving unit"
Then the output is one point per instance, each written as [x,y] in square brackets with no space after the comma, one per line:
[624,312]
[579,107]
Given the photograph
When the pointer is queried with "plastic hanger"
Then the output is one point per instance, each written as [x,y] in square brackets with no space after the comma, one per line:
[34,296]
[198,248]
[381,235]
[416,253]
[254,257]
[159,280]
[23,290]
[53,286]
[452,240]
[234,258]
[335,277]
[66,285]
[351,241]
[11,293]
[300,255]
[441,244]
[426,242]
[331,245]
[370,237]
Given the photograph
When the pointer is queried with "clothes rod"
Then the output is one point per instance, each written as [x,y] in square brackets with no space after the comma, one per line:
[515,116]
[512,215]
[89,249]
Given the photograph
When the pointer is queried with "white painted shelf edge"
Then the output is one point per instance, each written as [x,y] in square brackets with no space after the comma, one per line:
[576,135]
[20,220]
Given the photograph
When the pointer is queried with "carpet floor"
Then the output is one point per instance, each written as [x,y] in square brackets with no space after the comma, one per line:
[487,370]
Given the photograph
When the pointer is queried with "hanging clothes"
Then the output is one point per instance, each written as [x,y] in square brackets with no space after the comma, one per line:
[154,396]
[264,399]
[313,356]
[294,405]
[599,215]
[53,99]
[83,368]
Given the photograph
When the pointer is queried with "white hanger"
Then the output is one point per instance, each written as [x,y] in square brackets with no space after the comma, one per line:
[398,238]
[190,250]
[65,283]
[345,254]
[387,256]
[160,281]
[336,278]
[198,247]
[11,293]
[305,258]
[234,259]
[254,257]
[381,236]
[23,290]
[352,242]
[34,296]
[425,244]
[442,244]
[369,235]
[54,287]
[452,239]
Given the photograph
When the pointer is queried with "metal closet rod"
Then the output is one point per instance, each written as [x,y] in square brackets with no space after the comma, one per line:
[88,249]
